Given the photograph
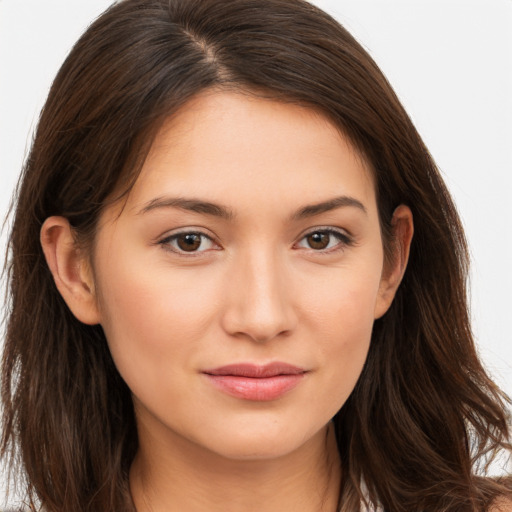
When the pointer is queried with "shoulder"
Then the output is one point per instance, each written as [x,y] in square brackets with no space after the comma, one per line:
[501,505]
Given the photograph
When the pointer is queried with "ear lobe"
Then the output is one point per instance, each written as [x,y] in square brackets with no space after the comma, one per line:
[403,229]
[71,271]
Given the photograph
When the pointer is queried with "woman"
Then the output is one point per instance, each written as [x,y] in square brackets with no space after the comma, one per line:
[222,283]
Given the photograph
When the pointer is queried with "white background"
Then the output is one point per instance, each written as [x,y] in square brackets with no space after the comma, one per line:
[450,62]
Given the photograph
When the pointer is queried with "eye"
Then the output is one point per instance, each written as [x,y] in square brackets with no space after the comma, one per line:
[324,240]
[188,242]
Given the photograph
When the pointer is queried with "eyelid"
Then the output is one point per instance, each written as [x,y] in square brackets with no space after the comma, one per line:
[344,237]
[165,240]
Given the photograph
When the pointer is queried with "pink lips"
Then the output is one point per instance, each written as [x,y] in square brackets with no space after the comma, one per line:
[255,382]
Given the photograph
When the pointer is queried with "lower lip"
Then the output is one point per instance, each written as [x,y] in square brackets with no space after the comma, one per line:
[256,389]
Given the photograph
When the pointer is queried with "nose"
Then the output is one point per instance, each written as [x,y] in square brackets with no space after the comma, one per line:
[259,302]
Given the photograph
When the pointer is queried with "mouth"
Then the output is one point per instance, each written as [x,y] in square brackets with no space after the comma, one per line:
[256,382]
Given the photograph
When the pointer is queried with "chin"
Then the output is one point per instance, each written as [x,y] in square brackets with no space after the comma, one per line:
[264,444]
[252,452]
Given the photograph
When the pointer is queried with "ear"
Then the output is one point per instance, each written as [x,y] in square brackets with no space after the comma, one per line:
[403,229]
[70,269]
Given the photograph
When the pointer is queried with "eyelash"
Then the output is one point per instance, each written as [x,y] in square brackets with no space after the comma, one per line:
[167,241]
[344,240]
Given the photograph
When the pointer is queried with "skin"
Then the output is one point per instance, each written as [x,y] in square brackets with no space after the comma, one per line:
[255,289]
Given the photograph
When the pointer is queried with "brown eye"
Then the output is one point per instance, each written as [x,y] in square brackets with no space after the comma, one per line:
[318,240]
[325,240]
[188,242]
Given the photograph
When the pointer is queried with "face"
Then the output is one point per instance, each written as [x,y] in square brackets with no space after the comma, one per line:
[238,285]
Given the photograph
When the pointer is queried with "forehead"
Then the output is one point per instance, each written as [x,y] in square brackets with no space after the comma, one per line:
[247,148]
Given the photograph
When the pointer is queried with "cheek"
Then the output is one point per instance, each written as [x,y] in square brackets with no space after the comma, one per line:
[344,317]
[347,340]
[153,320]
[343,299]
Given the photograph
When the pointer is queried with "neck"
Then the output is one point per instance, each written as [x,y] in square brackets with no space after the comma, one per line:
[188,478]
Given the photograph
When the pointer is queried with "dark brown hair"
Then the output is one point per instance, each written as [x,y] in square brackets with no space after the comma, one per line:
[424,414]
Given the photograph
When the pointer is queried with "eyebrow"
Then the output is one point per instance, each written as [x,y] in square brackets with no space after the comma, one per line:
[193,205]
[217,210]
[326,206]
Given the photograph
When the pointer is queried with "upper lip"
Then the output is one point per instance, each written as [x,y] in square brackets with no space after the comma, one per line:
[255,370]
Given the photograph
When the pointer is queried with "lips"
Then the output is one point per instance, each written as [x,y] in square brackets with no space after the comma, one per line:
[256,382]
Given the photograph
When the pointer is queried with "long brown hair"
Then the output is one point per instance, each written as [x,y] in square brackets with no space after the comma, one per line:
[424,414]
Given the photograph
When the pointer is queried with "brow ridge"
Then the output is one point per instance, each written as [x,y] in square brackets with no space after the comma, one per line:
[190,204]
[326,206]
[216,210]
